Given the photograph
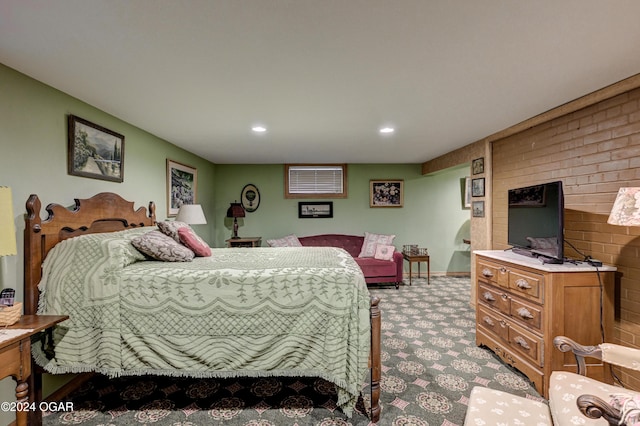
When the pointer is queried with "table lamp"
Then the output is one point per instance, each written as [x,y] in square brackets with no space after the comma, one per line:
[235,211]
[626,208]
[191,214]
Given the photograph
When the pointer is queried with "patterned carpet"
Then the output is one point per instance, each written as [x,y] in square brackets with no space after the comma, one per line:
[430,363]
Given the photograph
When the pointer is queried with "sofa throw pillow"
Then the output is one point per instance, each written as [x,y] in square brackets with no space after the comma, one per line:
[159,246]
[384,252]
[371,241]
[288,241]
[171,228]
[197,245]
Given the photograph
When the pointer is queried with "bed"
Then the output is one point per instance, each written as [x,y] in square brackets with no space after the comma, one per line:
[240,312]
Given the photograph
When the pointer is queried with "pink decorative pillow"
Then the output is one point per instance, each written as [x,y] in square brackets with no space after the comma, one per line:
[189,238]
[384,252]
[371,241]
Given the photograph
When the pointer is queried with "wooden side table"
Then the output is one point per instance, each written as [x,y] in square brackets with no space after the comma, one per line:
[15,360]
[244,242]
[417,258]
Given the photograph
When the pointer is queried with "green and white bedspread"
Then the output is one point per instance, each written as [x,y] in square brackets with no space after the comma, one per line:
[241,312]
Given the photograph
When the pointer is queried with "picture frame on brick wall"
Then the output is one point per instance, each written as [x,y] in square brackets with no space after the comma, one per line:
[477,208]
[477,166]
[477,187]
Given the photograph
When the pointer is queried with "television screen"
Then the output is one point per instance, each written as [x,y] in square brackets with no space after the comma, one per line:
[536,221]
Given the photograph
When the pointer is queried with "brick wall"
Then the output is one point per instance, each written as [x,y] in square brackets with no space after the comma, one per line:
[593,151]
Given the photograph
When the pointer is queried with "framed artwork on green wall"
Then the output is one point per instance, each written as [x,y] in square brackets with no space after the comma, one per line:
[386,193]
[182,181]
[94,151]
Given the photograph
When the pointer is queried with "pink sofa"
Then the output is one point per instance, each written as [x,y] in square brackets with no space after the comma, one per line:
[375,271]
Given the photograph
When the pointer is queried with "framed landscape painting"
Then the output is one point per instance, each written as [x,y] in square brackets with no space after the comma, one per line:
[182,181]
[94,151]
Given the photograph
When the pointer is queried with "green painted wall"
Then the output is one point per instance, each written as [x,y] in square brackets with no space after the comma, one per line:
[33,137]
[432,216]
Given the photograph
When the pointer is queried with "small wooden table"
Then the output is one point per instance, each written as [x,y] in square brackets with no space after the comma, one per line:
[417,258]
[15,360]
[244,242]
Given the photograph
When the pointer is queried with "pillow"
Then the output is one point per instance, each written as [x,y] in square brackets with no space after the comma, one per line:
[384,252]
[171,228]
[543,243]
[288,241]
[371,241]
[189,238]
[159,246]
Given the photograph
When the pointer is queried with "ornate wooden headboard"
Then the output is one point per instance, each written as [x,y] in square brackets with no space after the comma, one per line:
[104,212]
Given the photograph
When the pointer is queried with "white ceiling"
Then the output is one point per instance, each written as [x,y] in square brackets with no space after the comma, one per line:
[322,75]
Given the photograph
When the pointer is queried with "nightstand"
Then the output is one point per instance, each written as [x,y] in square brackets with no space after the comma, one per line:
[15,359]
[244,242]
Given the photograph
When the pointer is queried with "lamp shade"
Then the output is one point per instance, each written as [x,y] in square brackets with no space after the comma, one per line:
[626,208]
[235,210]
[7,227]
[191,214]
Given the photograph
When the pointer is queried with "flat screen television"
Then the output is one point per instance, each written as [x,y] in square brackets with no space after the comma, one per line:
[536,221]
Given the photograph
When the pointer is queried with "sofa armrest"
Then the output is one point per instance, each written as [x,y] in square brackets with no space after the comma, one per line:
[398,259]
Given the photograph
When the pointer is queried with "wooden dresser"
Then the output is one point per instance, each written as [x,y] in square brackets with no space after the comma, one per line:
[522,304]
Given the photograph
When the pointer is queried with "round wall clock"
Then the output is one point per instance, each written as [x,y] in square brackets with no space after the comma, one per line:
[250,198]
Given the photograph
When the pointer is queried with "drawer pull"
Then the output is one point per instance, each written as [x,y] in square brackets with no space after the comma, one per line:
[524,313]
[486,272]
[488,297]
[519,340]
[523,284]
[489,321]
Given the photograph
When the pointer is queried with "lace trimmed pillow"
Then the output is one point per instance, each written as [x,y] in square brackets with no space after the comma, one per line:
[171,228]
[288,241]
[371,241]
[159,246]
[384,252]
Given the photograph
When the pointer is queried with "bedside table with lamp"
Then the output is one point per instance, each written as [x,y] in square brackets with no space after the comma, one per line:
[235,211]
[15,336]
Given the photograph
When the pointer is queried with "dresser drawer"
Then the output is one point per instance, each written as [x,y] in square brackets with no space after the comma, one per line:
[494,297]
[527,313]
[526,285]
[526,343]
[493,322]
[493,273]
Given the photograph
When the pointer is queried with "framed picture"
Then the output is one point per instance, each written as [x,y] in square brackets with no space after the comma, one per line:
[386,193]
[315,209]
[467,193]
[477,208]
[94,152]
[250,198]
[182,182]
[477,187]
[477,166]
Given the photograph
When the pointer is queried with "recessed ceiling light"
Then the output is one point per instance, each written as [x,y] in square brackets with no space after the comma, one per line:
[387,130]
[259,129]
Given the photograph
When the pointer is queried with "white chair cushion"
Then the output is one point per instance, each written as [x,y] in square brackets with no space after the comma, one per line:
[564,390]
[488,407]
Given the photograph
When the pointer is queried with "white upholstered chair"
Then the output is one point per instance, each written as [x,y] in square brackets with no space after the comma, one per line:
[574,399]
